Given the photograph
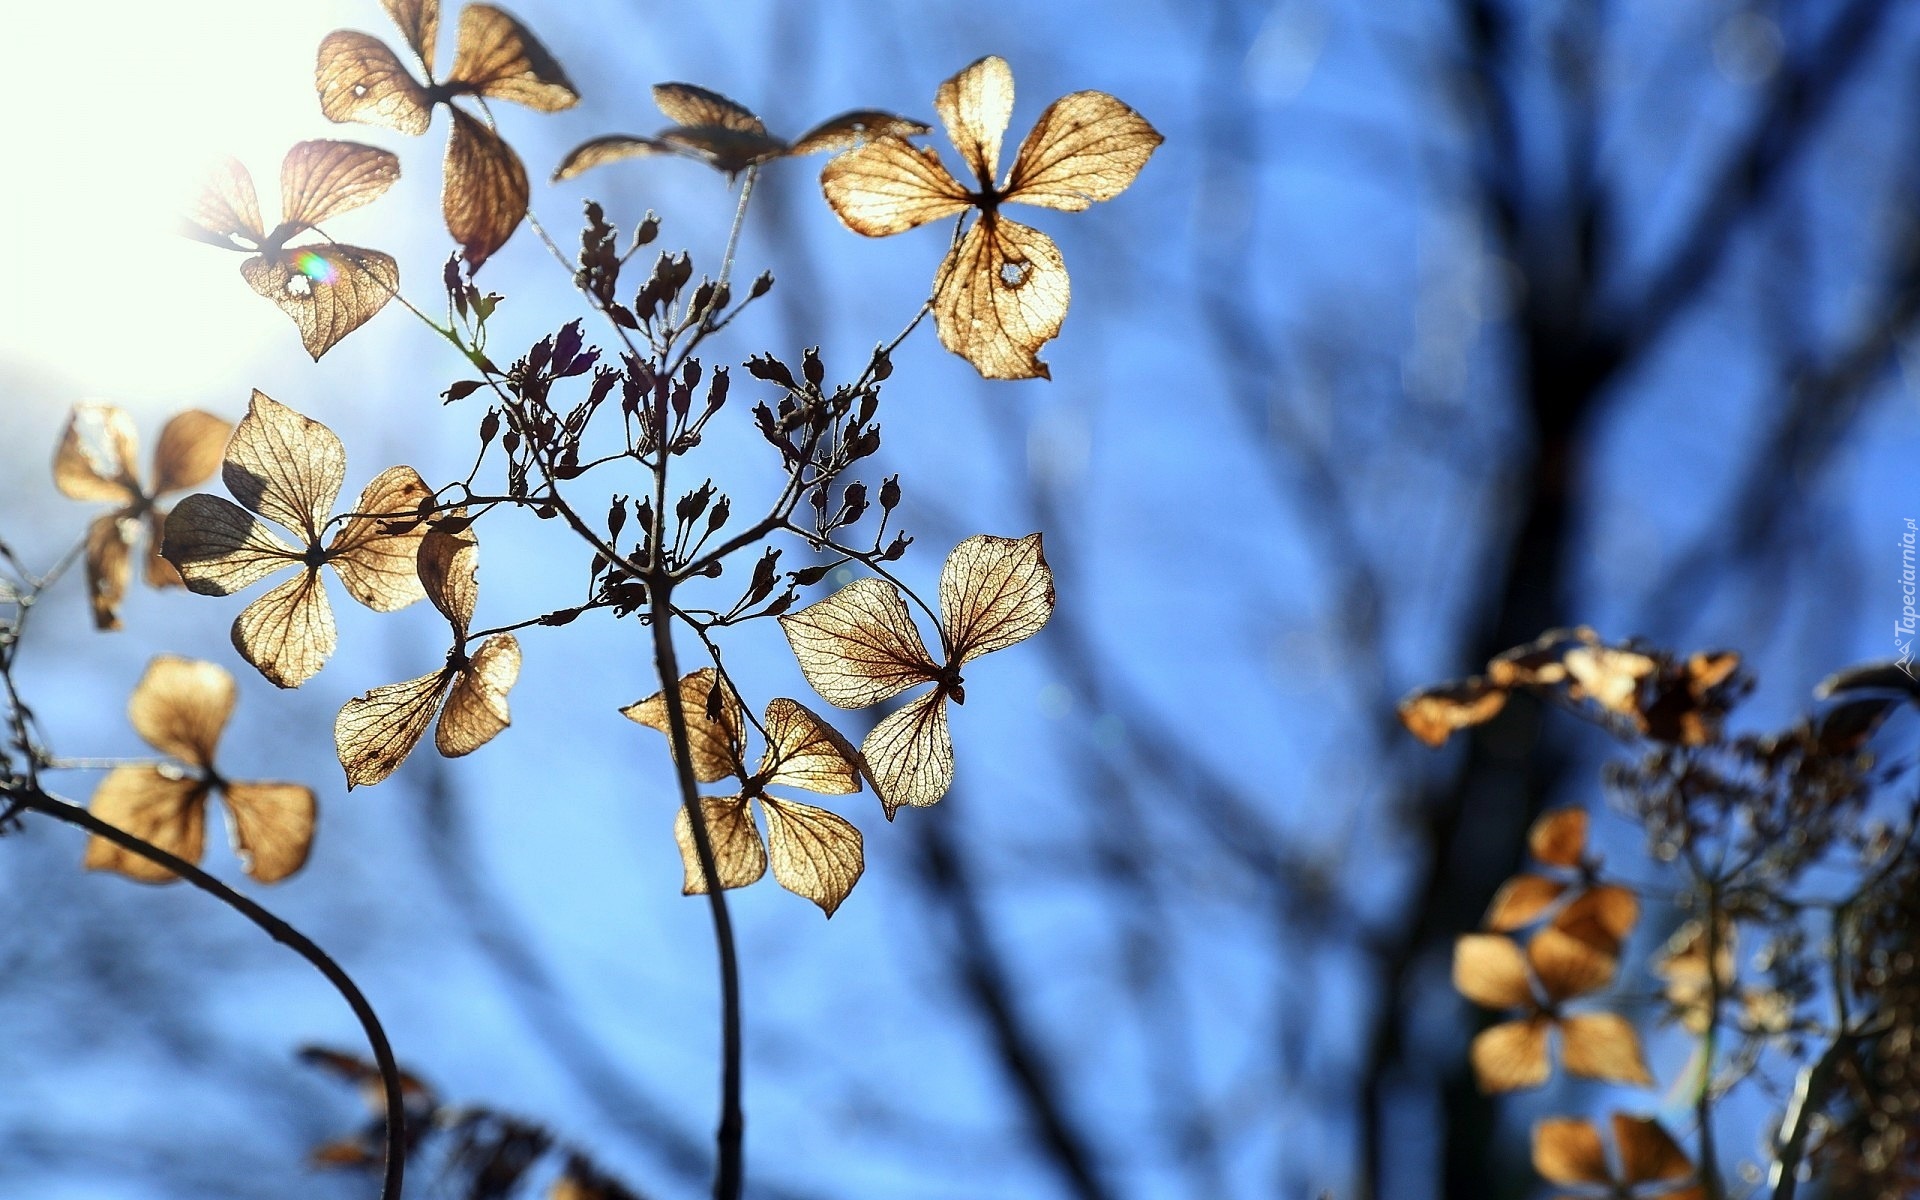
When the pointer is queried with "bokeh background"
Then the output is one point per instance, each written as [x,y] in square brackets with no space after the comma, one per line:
[1431,325]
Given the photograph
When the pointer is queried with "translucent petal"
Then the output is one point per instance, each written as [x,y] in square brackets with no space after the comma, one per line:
[691,105]
[1603,1046]
[1000,296]
[191,447]
[994,592]
[272,827]
[910,754]
[284,466]
[97,454]
[738,855]
[888,186]
[814,853]
[859,646]
[1568,1150]
[180,707]
[219,548]
[855,128]
[329,290]
[499,58]
[157,808]
[288,634]
[1511,1056]
[359,79]
[975,106]
[485,194]
[804,751]
[321,179]
[1085,147]
[1490,970]
[476,708]
[714,742]
[381,567]
[375,732]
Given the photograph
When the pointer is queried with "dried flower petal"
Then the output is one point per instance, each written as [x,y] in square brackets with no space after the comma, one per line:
[814,853]
[1434,714]
[739,857]
[485,197]
[910,754]
[859,646]
[994,592]
[1511,1056]
[163,810]
[714,744]
[1603,1046]
[804,751]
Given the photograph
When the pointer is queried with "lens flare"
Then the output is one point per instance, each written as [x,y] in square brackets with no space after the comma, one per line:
[313,266]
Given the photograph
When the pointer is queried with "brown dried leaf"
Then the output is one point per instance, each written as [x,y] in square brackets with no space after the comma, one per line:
[1511,1056]
[1603,1046]
[329,290]
[109,565]
[815,853]
[713,744]
[1611,677]
[283,466]
[804,751]
[156,807]
[96,458]
[1559,837]
[1648,1153]
[360,79]
[859,646]
[888,186]
[419,22]
[219,548]
[729,150]
[227,207]
[450,575]
[975,106]
[855,128]
[180,706]
[1434,714]
[994,592]
[739,858]
[1490,970]
[693,106]
[477,706]
[375,732]
[1541,660]
[287,634]
[1568,967]
[1568,1150]
[910,754]
[1001,295]
[160,572]
[485,195]
[190,449]
[272,827]
[1602,917]
[612,148]
[498,57]
[382,569]
[1086,147]
[323,178]
[1521,900]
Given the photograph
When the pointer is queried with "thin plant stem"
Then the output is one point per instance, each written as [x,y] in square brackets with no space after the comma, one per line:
[279,931]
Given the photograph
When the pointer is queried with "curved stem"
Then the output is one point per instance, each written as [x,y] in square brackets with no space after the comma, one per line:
[279,931]
[728,1171]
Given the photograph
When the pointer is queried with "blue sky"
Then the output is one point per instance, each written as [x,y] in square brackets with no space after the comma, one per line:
[1311,195]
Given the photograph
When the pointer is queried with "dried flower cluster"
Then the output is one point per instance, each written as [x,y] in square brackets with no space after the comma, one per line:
[1794,852]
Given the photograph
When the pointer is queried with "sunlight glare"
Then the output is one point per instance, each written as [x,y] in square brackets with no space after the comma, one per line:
[113,118]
